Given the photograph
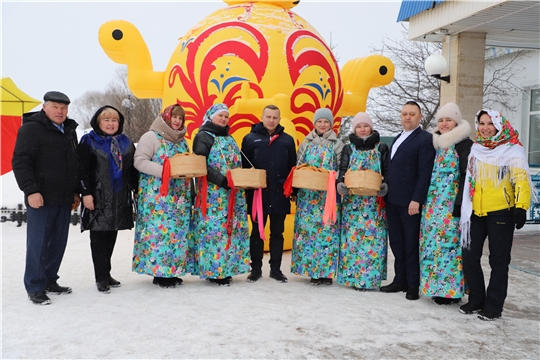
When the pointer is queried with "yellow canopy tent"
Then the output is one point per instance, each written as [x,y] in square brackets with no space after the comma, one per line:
[13,103]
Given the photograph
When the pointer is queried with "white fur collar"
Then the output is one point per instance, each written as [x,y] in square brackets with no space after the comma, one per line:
[444,141]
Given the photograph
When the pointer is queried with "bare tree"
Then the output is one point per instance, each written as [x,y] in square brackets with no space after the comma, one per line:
[85,106]
[345,128]
[138,113]
[411,82]
[501,77]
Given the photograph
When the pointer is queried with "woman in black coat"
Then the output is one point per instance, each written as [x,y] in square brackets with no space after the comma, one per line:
[108,180]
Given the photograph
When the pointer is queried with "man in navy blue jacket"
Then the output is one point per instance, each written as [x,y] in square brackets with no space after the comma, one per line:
[268,147]
[409,173]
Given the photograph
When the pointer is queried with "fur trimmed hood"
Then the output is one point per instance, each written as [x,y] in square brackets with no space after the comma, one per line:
[444,141]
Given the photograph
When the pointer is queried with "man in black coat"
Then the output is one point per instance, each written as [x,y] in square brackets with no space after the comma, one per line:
[45,164]
[268,147]
[409,172]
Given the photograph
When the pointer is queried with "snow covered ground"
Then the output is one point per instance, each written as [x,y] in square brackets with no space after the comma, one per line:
[265,319]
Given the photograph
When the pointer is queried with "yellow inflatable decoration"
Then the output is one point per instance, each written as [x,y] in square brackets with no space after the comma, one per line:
[249,55]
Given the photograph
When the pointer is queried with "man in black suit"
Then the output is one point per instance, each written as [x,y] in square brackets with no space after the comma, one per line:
[409,173]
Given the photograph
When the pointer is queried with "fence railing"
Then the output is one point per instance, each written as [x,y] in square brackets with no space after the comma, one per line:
[533,215]
[18,215]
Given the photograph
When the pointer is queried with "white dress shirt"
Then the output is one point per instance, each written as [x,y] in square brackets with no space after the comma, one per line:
[404,135]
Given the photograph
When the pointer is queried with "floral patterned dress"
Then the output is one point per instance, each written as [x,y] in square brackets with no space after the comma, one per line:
[162,242]
[315,245]
[441,271]
[363,248]
[213,258]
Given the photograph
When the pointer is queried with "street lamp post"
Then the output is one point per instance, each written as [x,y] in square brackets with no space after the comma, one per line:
[127,104]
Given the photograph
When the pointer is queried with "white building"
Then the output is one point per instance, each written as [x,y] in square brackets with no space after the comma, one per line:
[475,34]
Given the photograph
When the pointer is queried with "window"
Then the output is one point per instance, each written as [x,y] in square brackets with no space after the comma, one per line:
[534,128]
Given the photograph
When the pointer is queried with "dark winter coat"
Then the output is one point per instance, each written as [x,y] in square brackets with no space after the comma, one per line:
[113,210]
[277,155]
[202,144]
[463,148]
[45,160]
[362,144]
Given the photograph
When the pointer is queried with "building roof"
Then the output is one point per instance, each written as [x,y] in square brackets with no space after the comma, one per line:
[410,8]
[508,23]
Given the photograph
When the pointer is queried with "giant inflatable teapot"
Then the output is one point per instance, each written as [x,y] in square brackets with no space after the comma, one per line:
[249,55]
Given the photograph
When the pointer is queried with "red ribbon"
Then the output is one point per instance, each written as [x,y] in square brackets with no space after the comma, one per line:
[257,212]
[287,187]
[165,177]
[329,216]
[230,210]
[202,192]
[381,203]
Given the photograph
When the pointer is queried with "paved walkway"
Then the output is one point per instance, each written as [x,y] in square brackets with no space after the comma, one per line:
[526,250]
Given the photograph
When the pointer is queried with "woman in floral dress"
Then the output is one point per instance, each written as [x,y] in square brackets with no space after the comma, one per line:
[162,242]
[363,247]
[221,232]
[441,269]
[315,244]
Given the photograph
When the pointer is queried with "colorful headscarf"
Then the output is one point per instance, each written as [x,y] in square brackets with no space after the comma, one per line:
[505,131]
[113,145]
[166,115]
[501,150]
[213,111]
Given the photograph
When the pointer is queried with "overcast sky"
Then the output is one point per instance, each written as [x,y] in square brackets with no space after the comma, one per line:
[54,45]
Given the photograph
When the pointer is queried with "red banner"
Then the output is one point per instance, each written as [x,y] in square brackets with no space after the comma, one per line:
[9,127]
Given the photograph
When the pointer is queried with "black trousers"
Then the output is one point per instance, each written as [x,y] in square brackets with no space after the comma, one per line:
[404,235]
[102,246]
[256,244]
[498,226]
[47,231]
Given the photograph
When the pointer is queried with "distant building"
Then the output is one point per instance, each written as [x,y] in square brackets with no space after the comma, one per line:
[499,28]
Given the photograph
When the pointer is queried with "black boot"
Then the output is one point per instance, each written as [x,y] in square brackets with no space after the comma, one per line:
[113,282]
[445,301]
[393,288]
[103,287]
[164,282]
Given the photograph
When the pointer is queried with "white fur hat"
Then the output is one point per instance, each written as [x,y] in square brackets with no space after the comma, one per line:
[449,110]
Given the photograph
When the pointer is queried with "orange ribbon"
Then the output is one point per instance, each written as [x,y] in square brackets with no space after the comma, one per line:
[165,177]
[329,216]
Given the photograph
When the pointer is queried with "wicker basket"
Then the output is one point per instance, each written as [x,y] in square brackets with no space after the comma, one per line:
[187,166]
[307,178]
[249,178]
[364,182]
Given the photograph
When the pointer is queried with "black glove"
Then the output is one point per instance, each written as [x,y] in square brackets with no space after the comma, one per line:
[384,190]
[520,216]
[457,211]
